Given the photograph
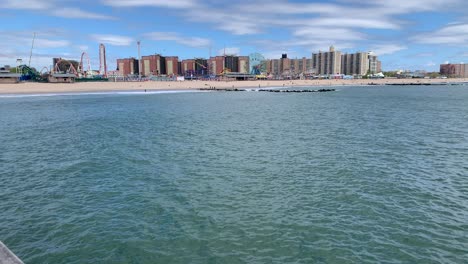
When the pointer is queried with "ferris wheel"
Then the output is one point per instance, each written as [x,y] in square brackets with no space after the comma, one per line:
[257,63]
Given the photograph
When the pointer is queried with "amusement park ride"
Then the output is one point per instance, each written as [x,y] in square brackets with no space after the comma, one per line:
[81,71]
[62,66]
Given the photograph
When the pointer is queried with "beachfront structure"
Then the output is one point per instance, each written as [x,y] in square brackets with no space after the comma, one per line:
[216,65]
[152,65]
[61,78]
[128,66]
[285,65]
[172,63]
[188,68]
[355,63]
[327,63]
[274,67]
[458,70]
[7,77]
[201,67]
[244,64]
[231,63]
[301,66]
[322,64]
[221,64]
[373,63]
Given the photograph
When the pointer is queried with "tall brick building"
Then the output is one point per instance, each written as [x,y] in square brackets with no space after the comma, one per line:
[459,70]
[127,66]
[153,65]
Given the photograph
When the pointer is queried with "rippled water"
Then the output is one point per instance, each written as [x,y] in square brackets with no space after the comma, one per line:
[361,175]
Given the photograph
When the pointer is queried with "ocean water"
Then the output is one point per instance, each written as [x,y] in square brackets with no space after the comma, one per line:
[361,175]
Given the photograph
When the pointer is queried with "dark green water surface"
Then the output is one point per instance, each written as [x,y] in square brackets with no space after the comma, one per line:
[360,175]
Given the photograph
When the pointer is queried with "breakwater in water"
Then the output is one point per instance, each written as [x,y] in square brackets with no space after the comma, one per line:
[268,90]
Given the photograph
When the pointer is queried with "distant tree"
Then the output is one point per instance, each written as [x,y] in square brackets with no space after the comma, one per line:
[433,75]
[390,74]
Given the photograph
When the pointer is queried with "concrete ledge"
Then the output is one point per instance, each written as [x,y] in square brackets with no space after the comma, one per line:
[7,257]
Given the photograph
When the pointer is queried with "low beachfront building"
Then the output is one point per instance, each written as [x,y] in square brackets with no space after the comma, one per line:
[7,77]
[61,78]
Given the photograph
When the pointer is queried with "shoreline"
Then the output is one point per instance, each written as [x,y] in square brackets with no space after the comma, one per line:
[25,88]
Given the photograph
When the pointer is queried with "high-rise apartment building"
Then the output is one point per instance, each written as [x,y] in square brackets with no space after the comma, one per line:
[216,65]
[299,66]
[373,63]
[188,67]
[285,65]
[231,63]
[153,65]
[244,64]
[275,67]
[172,65]
[355,63]
[327,63]
[459,70]
[201,67]
[127,66]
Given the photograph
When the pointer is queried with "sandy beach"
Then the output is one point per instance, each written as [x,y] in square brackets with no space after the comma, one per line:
[37,88]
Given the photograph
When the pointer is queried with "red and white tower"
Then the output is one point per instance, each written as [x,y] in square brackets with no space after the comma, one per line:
[102,60]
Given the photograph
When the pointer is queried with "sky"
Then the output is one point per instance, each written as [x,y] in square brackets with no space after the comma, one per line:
[405,34]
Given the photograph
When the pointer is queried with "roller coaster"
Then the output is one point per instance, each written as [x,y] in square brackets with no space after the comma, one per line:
[71,68]
[82,71]
[31,74]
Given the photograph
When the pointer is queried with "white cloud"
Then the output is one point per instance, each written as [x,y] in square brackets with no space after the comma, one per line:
[386,49]
[281,7]
[239,28]
[23,40]
[354,22]
[330,34]
[49,43]
[308,22]
[52,7]
[196,42]
[69,12]
[83,47]
[452,34]
[114,40]
[156,3]
[229,51]
[411,6]
[26,4]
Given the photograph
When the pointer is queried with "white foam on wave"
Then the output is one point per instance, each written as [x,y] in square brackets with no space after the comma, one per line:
[97,93]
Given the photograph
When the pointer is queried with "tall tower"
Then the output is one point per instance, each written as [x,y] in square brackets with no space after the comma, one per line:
[139,60]
[102,60]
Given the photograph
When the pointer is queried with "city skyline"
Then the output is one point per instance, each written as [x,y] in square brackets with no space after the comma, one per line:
[404,34]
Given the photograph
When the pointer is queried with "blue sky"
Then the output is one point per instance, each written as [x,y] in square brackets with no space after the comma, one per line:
[406,34]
